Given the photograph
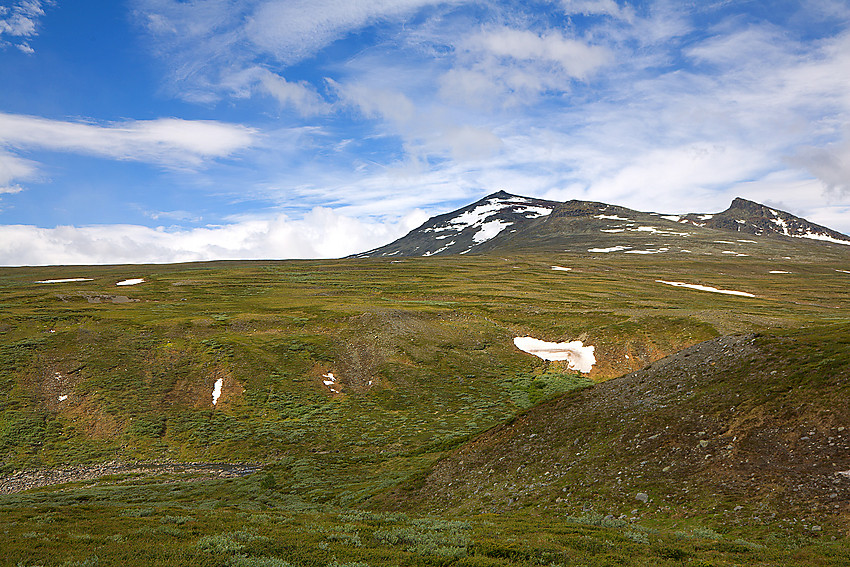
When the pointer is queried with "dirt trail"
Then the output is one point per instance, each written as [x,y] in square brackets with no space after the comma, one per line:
[18,481]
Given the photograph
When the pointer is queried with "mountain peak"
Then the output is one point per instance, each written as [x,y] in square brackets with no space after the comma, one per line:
[501,194]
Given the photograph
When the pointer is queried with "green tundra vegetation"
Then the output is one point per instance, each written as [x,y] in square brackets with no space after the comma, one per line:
[354,388]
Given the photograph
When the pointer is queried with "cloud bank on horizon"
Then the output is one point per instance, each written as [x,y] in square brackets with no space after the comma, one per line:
[164,130]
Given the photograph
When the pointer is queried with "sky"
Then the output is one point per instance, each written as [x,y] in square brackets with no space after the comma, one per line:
[180,130]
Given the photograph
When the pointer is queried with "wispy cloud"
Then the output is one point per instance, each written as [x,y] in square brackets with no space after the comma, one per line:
[168,142]
[213,48]
[19,23]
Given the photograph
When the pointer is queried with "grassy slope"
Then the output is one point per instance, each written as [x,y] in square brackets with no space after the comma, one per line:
[433,336]
[738,431]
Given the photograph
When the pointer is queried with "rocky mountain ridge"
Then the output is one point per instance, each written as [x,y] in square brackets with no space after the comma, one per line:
[502,221]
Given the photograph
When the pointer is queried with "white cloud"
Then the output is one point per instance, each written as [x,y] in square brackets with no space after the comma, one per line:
[576,58]
[508,66]
[12,168]
[166,142]
[170,141]
[377,102]
[301,95]
[209,46]
[598,7]
[19,22]
[830,164]
[322,233]
[295,29]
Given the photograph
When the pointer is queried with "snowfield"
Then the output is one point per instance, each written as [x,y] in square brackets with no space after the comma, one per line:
[132,281]
[580,357]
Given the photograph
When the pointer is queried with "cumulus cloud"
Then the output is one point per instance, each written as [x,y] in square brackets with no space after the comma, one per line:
[322,233]
[19,23]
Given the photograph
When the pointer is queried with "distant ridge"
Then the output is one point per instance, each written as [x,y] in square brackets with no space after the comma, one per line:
[502,221]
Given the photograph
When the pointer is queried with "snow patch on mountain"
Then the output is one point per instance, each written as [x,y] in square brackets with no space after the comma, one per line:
[820,236]
[490,230]
[478,218]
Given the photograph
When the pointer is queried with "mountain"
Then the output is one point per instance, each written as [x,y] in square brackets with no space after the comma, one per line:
[502,222]
[461,231]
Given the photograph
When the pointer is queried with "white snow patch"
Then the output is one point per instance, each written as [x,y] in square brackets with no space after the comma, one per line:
[216,393]
[723,242]
[843,271]
[534,212]
[609,217]
[131,281]
[674,218]
[824,237]
[750,241]
[705,217]
[685,251]
[611,249]
[63,397]
[490,230]
[479,215]
[580,357]
[66,280]
[612,230]
[778,272]
[330,382]
[650,251]
[707,288]
[562,269]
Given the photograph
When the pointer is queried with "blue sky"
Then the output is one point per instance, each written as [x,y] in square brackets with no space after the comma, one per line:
[163,130]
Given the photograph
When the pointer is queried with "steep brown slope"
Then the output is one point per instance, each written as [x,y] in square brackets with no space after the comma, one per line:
[742,429]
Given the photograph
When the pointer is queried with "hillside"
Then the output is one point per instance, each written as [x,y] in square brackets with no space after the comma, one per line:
[745,430]
[505,223]
[199,413]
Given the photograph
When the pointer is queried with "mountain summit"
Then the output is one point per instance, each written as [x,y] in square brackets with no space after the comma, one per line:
[504,222]
[461,231]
